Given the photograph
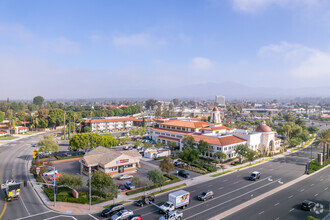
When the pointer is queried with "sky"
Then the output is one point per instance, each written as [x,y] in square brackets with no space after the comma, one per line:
[108,48]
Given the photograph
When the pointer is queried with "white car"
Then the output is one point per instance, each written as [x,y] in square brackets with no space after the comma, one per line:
[123,214]
[125,176]
[173,215]
[50,173]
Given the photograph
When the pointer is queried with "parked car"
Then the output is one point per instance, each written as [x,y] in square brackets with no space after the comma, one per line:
[206,195]
[125,176]
[183,173]
[123,214]
[152,142]
[68,154]
[134,217]
[57,176]
[129,185]
[145,200]
[307,205]
[255,175]
[112,210]
[177,163]
[50,173]
[122,188]
[126,147]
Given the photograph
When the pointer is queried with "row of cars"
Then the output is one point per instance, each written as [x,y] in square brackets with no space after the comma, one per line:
[118,212]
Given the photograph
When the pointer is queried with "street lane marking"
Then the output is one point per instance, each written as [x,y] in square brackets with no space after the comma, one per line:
[302,190]
[4,209]
[224,180]
[277,204]
[221,187]
[93,216]
[291,210]
[277,218]
[220,204]
[41,213]
[193,191]
[65,216]
[290,196]
[321,179]
[326,188]
[209,185]
[236,182]
[261,212]
[316,194]
[312,184]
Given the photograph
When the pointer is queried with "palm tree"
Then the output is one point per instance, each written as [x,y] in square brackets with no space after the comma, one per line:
[323,139]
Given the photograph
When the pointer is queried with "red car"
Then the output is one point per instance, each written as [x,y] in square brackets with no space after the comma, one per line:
[122,188]
[134,217]
[57,176]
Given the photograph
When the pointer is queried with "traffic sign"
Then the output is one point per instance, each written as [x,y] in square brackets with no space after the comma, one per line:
[38,169]
[34,157]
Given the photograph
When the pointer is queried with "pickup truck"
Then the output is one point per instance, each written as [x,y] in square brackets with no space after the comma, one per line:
[175,200]
[173,215]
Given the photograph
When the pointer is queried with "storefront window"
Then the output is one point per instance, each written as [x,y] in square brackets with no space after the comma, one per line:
[112,168]
[128,165]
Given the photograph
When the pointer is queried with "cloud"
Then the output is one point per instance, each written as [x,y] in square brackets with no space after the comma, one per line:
[301,62]
[61,45]
[137,40]
[252,6]
[201,63]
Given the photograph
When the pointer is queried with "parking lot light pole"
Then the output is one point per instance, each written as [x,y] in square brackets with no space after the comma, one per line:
[54,188]
[90,189]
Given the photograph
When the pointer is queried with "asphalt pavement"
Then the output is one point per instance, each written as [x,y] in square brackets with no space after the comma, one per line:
[285,204]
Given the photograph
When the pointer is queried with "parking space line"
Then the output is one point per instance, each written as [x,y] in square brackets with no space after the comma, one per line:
[93,216]
[290,196]
[261,212]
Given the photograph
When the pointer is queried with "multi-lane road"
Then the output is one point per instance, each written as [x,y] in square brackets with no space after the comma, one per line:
[230,190]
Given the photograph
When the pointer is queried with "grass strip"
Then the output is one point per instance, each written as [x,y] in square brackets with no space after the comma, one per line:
[219,174]
[305,145]
[313,166]
[7,138]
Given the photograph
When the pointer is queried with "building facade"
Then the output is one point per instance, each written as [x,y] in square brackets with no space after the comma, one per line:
[107,124]
[220,100]
[110,161]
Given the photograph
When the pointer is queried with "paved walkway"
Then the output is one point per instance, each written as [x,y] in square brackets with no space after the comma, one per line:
[75,208]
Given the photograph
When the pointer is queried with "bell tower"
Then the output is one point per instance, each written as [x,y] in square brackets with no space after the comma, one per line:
[215,115]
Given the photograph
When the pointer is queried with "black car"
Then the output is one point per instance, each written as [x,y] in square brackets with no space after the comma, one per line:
[112,210]
[255,175]
[307,205]
[183,173]
[206,195]
[145,200]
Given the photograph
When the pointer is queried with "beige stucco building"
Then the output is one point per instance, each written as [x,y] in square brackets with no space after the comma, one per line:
[110,161]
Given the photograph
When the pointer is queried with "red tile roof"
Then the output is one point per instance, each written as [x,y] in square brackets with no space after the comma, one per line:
[107,120]
[3,132]
[187,123]
[216,128]
[221,141]
[22,128]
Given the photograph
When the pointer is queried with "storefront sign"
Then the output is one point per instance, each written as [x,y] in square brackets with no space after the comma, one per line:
[124,161]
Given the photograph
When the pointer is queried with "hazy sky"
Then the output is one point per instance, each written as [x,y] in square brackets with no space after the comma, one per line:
[70,49]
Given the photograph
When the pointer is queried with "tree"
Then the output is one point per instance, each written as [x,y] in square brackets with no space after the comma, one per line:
[189,154]
[176,102]
[2,116]
[166,165]
[72,181]
[250,155]
[203,146]
[157,178]
[171,145]
[100,181]
[312,129]
[220,155]
[147,145]
[188,141]
[136,181]
[242,151]
[323,139]
[137,143]
[56,117]
[109,141]
[38,100]
[158,144]
[48,144]
[150,103]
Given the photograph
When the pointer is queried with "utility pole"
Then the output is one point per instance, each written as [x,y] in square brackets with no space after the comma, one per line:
[74,122]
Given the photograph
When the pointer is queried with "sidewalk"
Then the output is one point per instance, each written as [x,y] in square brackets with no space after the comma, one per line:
[74,208]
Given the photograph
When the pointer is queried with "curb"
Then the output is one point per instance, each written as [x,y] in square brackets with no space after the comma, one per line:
[263,196]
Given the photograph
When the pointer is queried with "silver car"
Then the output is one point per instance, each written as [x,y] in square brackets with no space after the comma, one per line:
[123,214]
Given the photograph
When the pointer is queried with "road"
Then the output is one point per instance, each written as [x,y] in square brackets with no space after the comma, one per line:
[14,157]
[234,189]
[285,204]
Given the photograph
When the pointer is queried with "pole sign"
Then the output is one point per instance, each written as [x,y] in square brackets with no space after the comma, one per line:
[34,157]
[38,170]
